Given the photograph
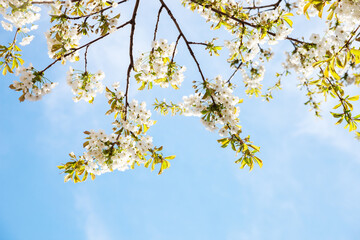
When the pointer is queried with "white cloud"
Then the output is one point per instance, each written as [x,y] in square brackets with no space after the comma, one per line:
[324,129]
[92,224]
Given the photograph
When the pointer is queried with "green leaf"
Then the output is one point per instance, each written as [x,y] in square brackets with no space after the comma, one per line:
[76,178]
[153,165]
[61,167]
[288,21]
[356,54]
[259,161]
[337,115]
[170,157]
[255,147]
[337,106]
[143,84]
[67,177]
[147,163]
[354,98]
[85,176]
[92,176]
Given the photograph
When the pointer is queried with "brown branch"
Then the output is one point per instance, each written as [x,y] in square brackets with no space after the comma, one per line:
[131,65]
[244,22]
[342,100]
[185,39]
[188,47]
[353,33]
[16,33]
[81,47]
[157,22]
[85,57]
[198,43]
[131,46]
[176,43]
[79,17]
[51,2]
[94,13]
[233,74]
[274,5]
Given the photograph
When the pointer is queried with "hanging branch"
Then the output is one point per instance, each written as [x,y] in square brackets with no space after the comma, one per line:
[185,39]
[188,47]
[81,47]
[176,44]
[274,6]
[85,57]
[131,46]
[94,13]
[157,22]
[245,22]
[233,74]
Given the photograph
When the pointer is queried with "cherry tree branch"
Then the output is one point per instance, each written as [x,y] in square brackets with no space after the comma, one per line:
[131,46]
[51,2]
[94,13]
[233,74]
[81,47]
[188,47]
[131,65]
[245,22]
[185,39]
[176,44]
[157,22]
[198,43]
[274,5]
[85,57]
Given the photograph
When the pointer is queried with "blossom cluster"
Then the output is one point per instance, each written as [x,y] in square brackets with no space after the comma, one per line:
[159,67]
[256,76]
[127,143]
[61,38]
[32,83]
[18,14]
[272,20]
[127,152]
[342,26]
[66,34]
[84,84]
[217,106]
[251,32]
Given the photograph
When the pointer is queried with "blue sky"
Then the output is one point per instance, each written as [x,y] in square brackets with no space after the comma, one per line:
[308,187]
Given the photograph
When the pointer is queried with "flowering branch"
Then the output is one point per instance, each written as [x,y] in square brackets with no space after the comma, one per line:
[244,22]
[94,13]
[131,45]
[157,22]
[184,38]
[81,47]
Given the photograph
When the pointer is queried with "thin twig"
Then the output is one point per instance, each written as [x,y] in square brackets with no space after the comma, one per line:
[131,46]
[198,43]
[188,47]
[81,47]
[157,22]
[185,39]
[131,65]
[94,13]
[244,22]
[176,43]
[51,2]
[233,74]
[85,57]
[274,5]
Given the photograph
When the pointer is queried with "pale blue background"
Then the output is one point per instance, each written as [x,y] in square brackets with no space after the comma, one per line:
[307,189]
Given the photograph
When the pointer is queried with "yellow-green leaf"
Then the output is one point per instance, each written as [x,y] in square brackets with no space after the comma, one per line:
[170,157]
[92,176]
[354,98]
